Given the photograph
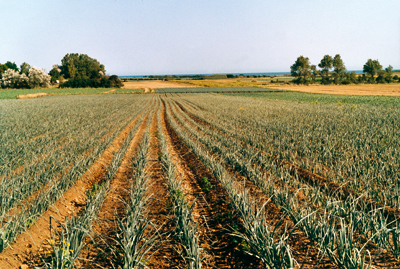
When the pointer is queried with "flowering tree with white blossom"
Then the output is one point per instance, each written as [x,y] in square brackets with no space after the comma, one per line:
[13,79]
[38,78]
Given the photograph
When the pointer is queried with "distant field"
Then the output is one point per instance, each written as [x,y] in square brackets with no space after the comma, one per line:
[231,82]
[214,90]
[123,90]
[12,94]
[302,97]
[360,89]
[154,84]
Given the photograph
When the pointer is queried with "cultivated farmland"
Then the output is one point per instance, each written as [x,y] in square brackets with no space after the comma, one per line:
[199,180]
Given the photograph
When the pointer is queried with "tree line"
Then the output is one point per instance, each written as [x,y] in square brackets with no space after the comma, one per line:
[332,70]
[76,71]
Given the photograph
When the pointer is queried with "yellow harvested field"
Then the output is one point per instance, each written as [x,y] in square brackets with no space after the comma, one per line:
[364,89]
[154,84]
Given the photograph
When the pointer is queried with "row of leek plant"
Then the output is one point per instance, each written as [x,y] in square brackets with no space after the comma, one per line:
[136,233]
[186,226]
[66,126]
[68,243]
[343,248]
[342,137]
[15,189]
[282,198]
[18,222]
[28,155]
[267,241]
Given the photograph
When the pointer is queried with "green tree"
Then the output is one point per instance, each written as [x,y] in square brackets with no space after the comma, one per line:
[338,68]
[372,67]
[314,72]
[11,65]
[55,73]
[24,68]
[301,69]
[326,64]
[80,66]
[350,78]
[3,68]
[389,74]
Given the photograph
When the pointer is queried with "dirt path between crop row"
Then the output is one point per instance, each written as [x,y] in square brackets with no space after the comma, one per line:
[303,251]
[385,259]
[307,176]
[113,90]
[31,198]
[164,255]
[113,207]
[223,251]
[27,244]
[190,127]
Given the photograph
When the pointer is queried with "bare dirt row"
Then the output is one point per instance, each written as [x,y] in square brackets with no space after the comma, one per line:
[223,251]
[27,244]
[306,175]
[383,260]
[304,252]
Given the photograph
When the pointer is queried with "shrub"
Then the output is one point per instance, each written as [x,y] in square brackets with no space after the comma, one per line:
[105,82]
[38,78]
[13,79]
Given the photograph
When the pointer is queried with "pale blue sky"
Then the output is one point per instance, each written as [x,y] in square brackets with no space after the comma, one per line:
[143,37]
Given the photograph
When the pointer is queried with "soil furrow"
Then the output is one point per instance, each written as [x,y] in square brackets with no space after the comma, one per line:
[114,205]
[223,249]
[28,244]
[306,175]
[305,254]
[165,255]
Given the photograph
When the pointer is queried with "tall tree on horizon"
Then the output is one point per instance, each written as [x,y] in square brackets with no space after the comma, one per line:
[372,67]
[301,69]
[326,64]
[338,68]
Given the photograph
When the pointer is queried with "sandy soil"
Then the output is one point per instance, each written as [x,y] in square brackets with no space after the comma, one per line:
[31,95]
[28,243]
[154,84]
[113,90]
[299,241]
[220,249]
[114,205]
[364,89]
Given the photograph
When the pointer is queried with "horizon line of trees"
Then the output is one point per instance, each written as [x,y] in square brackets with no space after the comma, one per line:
[76,71]
[373,72]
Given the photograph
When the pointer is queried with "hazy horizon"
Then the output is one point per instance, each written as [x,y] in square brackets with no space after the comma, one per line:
[200,37]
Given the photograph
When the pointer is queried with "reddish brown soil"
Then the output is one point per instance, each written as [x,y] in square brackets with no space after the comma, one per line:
[278,183]
[385,260]
[223,251]
[304,253]
[28,244]
[165,255]
[306,175]
[113,207]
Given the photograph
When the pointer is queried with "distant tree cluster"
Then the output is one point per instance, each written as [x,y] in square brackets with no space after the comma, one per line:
[333,71]
[24,77]
[76,70]
[81,71]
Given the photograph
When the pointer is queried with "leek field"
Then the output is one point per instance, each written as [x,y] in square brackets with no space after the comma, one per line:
[208,179]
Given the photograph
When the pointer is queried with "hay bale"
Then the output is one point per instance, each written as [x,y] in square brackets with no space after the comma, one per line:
[32,95]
